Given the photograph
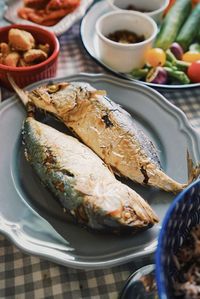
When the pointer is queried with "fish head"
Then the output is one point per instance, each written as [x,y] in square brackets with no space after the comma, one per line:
[60,98]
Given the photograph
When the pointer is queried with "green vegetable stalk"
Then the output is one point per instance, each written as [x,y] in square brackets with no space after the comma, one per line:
[168,64]
[173,62]
[198,36]
[182,65]
[170,56]
[139,73]
[195,47]
[190,28]
[172,23]
[178,75]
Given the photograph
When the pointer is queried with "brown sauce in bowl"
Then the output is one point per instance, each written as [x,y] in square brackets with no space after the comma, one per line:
[133,7]
[125,37]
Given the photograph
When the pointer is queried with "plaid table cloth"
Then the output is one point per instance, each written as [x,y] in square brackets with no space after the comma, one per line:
[24,276]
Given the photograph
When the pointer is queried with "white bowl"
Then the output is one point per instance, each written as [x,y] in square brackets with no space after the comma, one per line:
[155,7]
[119,56]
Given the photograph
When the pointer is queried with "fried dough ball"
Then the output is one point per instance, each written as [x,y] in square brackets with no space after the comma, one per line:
[45,48]
[22,50]
[35,55]
[20,40]
[22,63]
[12,59]
[1,58]
[4,49]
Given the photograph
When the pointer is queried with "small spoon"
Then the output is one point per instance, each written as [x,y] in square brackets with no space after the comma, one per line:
[141,284]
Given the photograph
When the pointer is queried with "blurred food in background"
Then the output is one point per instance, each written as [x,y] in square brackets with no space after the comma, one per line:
[47,12]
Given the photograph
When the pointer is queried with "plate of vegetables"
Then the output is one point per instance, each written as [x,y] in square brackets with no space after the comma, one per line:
[174,60]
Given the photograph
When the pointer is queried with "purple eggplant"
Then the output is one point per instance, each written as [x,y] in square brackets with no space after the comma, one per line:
[177,50]
[157,75]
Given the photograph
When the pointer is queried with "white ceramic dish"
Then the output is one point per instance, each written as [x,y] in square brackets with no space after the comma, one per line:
[120,56]
[153,8]
[62,26]
[32,218]
[89,41]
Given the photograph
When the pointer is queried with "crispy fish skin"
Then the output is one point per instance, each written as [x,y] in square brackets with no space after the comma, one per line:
[107,129]
[82,182]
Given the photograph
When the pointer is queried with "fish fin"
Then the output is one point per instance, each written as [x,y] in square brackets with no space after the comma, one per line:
[98,92]
[193,170]
[109,167]
[22,95]
[114,170]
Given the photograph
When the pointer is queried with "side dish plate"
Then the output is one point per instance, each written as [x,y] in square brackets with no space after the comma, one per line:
[88,36]
[34,220]
[62,26]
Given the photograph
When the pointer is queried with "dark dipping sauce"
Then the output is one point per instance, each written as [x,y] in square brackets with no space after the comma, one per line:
[132,7]
[125,37]
[187,260]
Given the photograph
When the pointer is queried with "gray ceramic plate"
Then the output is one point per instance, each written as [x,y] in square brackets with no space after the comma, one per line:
[88,36]
[35,222]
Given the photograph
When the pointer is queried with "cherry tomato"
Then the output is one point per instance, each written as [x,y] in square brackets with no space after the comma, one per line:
[155,57]
[194,72]
[191,56]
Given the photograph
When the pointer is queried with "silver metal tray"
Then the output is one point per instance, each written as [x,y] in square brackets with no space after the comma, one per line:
[62,26]
[88,37]
[33,219]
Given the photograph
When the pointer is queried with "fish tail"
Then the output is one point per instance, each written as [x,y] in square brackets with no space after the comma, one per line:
[161,180]
[22,95]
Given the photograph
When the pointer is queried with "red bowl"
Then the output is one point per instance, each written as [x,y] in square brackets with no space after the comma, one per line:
[26,75]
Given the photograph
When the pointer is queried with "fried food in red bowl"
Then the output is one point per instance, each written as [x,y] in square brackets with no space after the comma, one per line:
[28,71]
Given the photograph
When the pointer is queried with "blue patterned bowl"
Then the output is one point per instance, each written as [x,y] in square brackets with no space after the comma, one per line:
[183,214]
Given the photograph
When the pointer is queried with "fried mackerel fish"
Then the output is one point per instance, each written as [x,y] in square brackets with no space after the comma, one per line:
[107,129]
[82,182]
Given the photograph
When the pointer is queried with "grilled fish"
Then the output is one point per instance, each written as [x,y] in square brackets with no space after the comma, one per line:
[107,129]
[82,182]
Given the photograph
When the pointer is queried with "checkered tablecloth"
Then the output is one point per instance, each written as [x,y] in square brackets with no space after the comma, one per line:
[24,276]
